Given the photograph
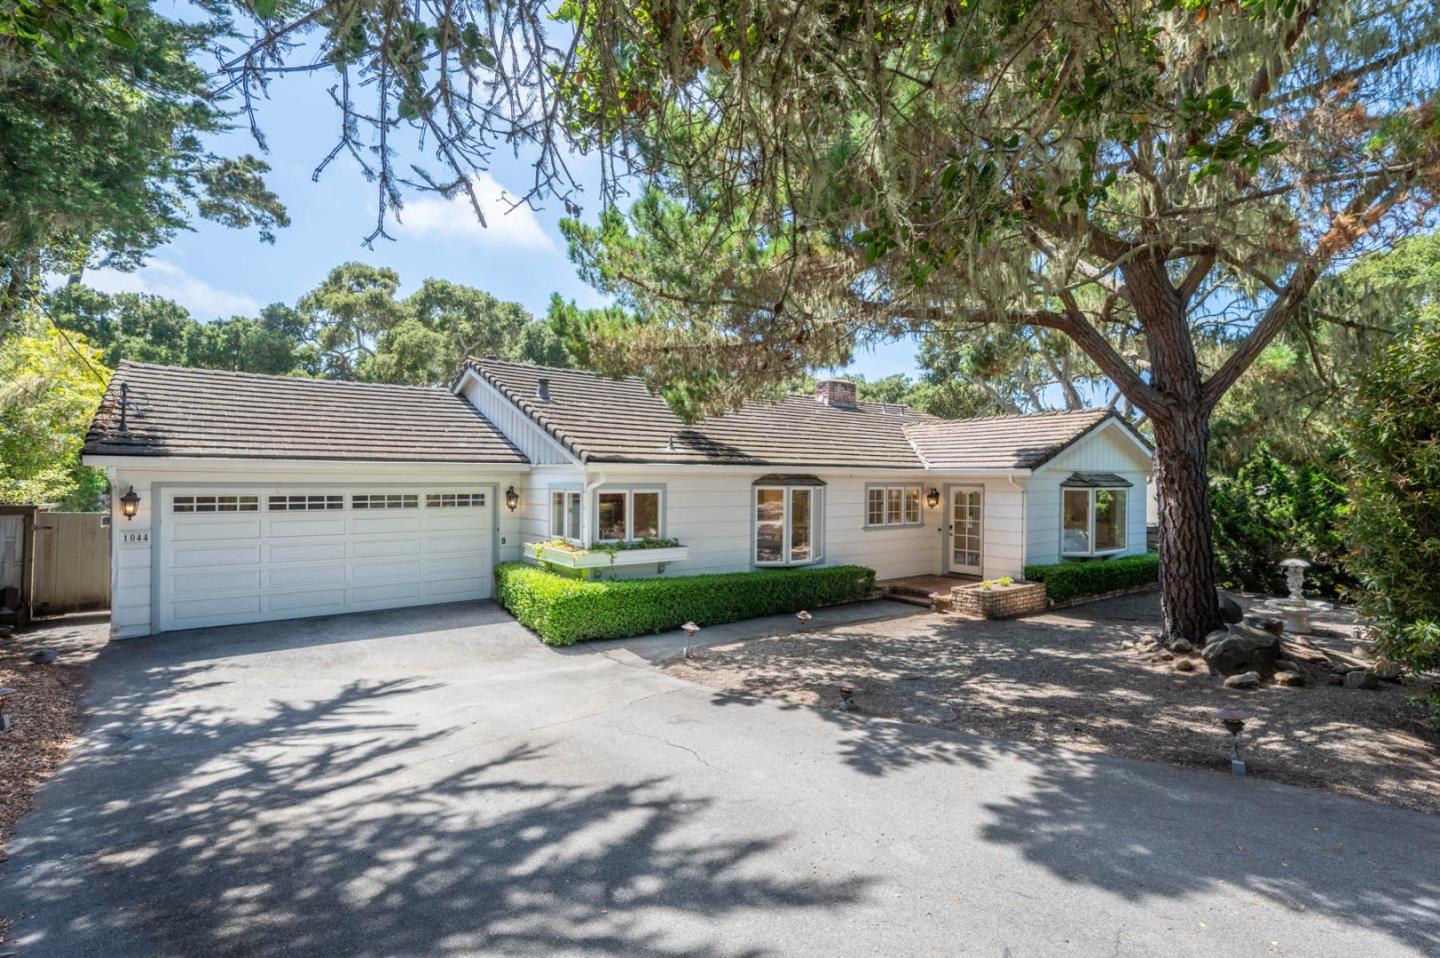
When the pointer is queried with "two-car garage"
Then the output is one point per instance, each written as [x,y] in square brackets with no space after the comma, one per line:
[244,554]
[255,498]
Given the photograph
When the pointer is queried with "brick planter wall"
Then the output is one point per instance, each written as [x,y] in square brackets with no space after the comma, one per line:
[1001,601]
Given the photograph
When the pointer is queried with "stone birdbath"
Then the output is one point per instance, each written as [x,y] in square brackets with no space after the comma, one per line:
[1295,610]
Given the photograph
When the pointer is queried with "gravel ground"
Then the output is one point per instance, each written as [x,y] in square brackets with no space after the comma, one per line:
[1066,678]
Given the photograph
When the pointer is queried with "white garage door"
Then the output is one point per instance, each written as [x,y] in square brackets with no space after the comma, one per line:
[247,554]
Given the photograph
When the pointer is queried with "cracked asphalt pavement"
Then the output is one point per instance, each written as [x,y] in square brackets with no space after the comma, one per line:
[436,782]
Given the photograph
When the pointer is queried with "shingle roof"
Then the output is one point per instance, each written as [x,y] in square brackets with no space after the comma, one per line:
[619,420]
[1002,442]
[205,412]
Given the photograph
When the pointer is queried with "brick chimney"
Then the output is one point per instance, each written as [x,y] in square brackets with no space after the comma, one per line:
[835,392]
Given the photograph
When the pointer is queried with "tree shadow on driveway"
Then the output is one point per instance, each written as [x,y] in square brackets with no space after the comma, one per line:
[336,826]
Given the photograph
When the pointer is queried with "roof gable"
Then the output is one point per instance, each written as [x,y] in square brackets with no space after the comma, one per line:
[174,411]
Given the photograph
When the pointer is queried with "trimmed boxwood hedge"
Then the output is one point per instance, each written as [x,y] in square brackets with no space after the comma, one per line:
[1068,580]
[565,610]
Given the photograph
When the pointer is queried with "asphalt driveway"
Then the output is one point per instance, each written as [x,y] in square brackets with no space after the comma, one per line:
[435,782]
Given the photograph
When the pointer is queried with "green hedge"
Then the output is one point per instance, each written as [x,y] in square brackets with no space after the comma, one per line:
[1067,580]
[564,610]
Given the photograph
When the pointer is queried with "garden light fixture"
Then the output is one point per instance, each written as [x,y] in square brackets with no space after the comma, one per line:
[512,498]
[130,503]
[1234,721]
[4,715]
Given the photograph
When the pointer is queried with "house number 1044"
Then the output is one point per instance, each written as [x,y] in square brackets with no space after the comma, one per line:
[134,537]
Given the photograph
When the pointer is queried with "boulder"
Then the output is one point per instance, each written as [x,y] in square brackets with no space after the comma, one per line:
[1334,678]
[1361,679]
[1245,680]
[1184,665]
[1244,648]
[1286,665]
[1230,610]
[1291,679]
[1387,669]
[1268,623]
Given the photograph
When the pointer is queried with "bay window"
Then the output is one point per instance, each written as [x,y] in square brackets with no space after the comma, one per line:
[1092,514]
[788,523]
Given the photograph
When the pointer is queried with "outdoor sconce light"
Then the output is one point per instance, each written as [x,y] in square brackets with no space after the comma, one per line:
[129,503]
[512,498]
[932,498]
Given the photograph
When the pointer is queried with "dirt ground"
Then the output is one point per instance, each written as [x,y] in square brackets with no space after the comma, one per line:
[45,714]
[1065,678]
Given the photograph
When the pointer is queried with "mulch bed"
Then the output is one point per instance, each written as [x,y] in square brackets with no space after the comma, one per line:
[1068,679]
[44,714]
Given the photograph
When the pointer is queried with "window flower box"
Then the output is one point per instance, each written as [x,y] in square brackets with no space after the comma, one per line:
[564,555]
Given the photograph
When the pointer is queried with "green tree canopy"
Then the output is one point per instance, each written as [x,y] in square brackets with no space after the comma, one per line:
[50,384]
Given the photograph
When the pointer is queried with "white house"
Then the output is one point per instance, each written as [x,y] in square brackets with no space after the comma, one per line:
[268,497]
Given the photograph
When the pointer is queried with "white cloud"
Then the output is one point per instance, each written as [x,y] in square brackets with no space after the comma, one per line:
[163,278]
[437,217]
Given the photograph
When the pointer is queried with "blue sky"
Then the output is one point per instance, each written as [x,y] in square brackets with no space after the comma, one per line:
[216,272]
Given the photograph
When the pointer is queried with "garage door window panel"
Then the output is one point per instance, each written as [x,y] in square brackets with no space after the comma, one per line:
[305,503]
[215,503]
[385,501]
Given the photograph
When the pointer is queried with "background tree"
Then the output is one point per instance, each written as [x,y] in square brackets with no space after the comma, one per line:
[346,315]
[49,388]
[102,116]
[1393,464]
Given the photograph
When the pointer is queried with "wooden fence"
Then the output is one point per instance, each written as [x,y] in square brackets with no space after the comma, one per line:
[71,562]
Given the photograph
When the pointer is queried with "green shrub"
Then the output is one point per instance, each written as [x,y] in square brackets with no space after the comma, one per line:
[1067,580]
[564,610]
[1394,521]
[1271,510]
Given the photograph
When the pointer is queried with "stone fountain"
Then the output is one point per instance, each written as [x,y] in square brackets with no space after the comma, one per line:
[1295,610]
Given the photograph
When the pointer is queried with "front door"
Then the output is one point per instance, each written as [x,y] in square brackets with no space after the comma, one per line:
[967,506]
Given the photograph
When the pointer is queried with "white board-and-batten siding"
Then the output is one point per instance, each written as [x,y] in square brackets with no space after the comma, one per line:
[538,446]
[1108,449]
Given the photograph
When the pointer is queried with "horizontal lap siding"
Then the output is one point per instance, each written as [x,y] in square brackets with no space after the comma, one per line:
[907,550]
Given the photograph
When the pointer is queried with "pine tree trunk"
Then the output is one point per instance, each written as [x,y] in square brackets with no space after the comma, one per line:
[1189,608]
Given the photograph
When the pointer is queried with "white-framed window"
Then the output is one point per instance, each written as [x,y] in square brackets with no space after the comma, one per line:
[897,505]
[565,514]
[627,514]
[1092,521]
[386,500]
[788,525]
[215,504]
[304,503]
[455,500]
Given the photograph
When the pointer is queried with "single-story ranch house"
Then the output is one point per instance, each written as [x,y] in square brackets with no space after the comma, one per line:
[241,497]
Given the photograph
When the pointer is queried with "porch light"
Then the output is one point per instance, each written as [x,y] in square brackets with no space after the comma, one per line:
[130,503]
[932,498]
[512,498]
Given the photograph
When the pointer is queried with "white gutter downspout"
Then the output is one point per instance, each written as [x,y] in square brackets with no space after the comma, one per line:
[585,538]
[1024,520]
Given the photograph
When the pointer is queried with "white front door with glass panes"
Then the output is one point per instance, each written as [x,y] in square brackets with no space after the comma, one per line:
[967,529]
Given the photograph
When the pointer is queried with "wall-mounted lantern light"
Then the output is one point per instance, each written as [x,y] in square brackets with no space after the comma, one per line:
[932,498]
[130,504]
[512,498]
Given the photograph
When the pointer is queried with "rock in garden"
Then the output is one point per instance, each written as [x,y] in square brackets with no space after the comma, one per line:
[1182,646]
[1230,610]
[1243,649]
[1245,680]
[1184,665]
[1361,679]
[1334,678]
[44,656]
[1287,665]
[1270,624]
[1291,679]
[1387,669]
